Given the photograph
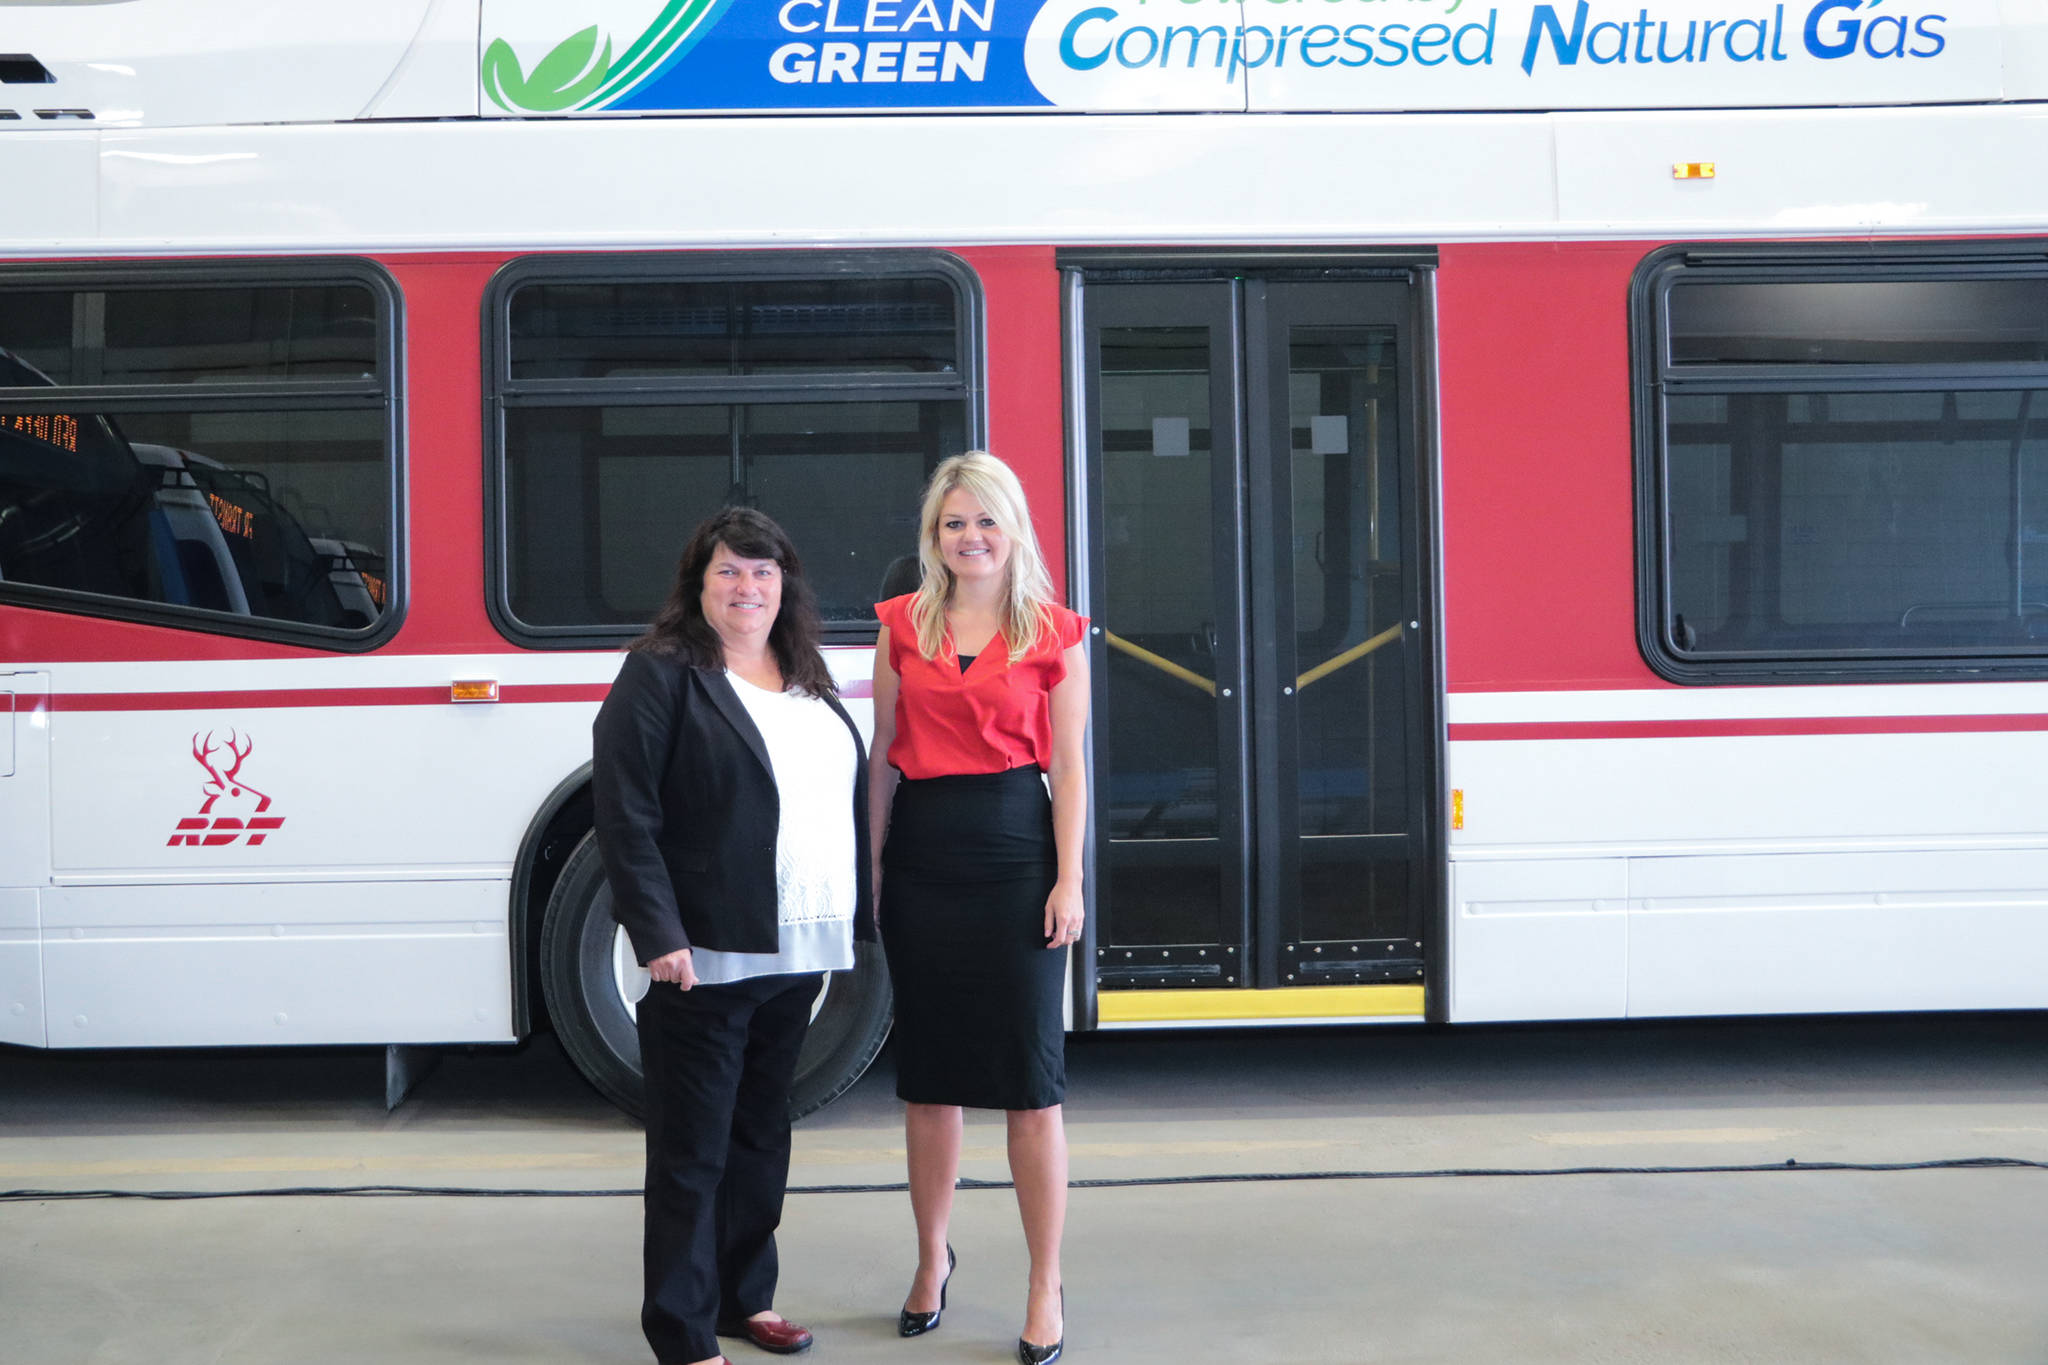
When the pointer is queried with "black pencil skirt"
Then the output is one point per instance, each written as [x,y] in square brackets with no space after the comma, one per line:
[965,874]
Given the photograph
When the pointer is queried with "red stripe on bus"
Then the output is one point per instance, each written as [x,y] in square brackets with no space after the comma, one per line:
[316,697]
[313,697]
[1768,725]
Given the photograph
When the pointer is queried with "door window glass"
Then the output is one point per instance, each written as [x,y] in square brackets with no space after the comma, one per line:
[1349,614]
[1164,816]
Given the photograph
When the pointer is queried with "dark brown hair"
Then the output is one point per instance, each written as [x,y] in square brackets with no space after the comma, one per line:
[679,628]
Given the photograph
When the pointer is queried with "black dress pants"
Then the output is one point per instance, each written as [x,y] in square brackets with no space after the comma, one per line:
[718,1061]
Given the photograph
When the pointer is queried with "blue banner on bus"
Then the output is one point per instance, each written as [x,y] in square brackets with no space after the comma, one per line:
[775,56]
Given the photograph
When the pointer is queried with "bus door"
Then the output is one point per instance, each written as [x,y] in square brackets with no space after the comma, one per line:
[24,853]
[1255,553]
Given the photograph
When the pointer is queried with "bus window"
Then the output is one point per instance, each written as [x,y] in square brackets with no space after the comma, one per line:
[280,570]
[360,589]
[228,334]
[191,534]
[724,328]
[75,503]
[635,403]
[196,438]
[76,524]
[1860,322]
[1846,475]
[603,497]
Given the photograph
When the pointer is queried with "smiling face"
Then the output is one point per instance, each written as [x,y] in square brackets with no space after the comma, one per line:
[971,544]
[741,597]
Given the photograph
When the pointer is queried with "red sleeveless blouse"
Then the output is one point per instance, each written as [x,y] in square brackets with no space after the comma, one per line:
[995,716]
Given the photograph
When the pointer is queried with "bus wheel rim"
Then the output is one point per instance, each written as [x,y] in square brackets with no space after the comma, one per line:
[629,978]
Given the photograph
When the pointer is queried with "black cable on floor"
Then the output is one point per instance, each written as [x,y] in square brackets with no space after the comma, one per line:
[1120,1183]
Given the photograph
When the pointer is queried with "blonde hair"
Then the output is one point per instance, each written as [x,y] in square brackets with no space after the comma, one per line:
[1024,619]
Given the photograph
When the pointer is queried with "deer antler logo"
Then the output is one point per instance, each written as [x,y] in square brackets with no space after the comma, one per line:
[223,764]
[227,783]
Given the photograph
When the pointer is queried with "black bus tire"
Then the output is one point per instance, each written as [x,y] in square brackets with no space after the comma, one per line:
[848,1026]
[591,1016]
[581,948]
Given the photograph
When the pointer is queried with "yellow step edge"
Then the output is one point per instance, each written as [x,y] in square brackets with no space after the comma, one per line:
[1297,1002]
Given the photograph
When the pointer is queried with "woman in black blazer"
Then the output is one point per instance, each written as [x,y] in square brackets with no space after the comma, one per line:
[731,804]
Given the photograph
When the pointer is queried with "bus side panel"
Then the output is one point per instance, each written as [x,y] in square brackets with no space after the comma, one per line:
[1539,939]
[1538,559]
[1629,846]
[284,963]
[24,853]
[355,787]
[1539,552]
[21,969]
[1021,293]
[1956,930]
[445,479]
[64,169]
[1749,793]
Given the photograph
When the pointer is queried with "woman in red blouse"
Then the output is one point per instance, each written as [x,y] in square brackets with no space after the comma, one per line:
[978,804]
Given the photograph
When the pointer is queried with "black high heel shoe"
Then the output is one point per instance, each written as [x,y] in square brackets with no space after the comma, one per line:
[1028,1354]
[909,1324]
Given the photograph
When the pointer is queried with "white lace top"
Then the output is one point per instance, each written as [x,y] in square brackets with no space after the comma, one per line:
[811,753]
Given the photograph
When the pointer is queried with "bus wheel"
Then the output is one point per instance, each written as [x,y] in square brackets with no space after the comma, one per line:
[592,984]
[849,1020]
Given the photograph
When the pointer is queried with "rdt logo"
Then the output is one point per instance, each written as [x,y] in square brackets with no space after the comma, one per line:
[208,830]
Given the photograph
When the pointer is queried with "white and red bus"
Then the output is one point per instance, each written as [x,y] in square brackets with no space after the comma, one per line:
[1562,494]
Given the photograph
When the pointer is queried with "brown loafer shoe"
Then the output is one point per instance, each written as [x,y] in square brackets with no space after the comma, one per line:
[780,1336]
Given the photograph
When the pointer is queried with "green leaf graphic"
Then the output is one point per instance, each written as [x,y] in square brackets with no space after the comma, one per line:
[559,80]
[497,65]
[559,69]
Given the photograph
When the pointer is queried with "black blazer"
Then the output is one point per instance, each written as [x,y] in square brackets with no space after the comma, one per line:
[687,812]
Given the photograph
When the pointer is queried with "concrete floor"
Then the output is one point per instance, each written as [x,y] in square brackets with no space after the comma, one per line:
[1942,1265]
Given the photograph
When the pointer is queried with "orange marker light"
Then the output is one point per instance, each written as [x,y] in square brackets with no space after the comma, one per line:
[1457,808]
[1692,170]
[480,689]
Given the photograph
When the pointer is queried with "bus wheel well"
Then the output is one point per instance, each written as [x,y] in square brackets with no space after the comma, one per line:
[557,828]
